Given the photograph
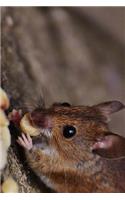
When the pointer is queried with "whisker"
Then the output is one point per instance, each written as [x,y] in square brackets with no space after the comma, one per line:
[34,103]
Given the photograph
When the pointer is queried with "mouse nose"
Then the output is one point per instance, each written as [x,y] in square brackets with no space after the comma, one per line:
[41,120]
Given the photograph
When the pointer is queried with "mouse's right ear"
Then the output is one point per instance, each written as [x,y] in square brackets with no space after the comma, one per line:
[110,146]
[109,107]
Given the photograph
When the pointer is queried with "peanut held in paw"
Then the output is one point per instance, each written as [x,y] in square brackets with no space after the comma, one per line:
[27,127]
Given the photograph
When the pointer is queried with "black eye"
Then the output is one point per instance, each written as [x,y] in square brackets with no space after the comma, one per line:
[69,131]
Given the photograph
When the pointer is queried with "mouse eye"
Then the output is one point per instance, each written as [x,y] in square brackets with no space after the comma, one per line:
[69,131]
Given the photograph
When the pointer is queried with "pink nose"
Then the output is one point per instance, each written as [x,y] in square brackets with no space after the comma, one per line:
[41,119]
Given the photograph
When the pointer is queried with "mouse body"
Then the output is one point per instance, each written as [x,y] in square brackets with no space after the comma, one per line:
[76,151]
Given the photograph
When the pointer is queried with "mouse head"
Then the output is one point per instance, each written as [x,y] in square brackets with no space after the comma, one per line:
[77,132]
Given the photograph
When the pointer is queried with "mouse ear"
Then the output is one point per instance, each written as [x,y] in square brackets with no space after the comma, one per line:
[107,108]
[110,146]
[64,104]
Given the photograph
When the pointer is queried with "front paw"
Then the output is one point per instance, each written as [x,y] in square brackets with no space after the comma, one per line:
[25,141]
[15,116]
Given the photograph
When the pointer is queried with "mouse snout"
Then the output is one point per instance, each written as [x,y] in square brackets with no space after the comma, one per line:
[42,120]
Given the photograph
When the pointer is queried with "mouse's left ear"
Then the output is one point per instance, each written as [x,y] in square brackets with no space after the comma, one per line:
[110,146]
[64,104]
[109,107]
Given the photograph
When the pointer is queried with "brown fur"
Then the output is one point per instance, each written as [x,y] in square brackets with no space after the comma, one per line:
[69,165]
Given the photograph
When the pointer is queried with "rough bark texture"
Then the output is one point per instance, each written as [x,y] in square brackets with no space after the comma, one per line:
[67,55]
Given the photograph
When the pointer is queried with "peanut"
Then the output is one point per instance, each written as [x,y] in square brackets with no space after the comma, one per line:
[27,127]
[9,186]
[4,101]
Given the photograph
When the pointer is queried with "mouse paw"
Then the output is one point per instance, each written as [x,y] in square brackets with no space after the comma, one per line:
[15,116]
[25,141]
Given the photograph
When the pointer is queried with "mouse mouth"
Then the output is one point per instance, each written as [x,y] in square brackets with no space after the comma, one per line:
[41,141]
[46,132]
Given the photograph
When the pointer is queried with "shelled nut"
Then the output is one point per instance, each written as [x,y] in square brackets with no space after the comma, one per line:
[27,127]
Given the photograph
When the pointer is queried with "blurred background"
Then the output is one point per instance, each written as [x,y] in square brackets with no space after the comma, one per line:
[74,54]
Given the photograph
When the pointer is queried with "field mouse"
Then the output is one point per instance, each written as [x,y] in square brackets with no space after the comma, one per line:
[76,151]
